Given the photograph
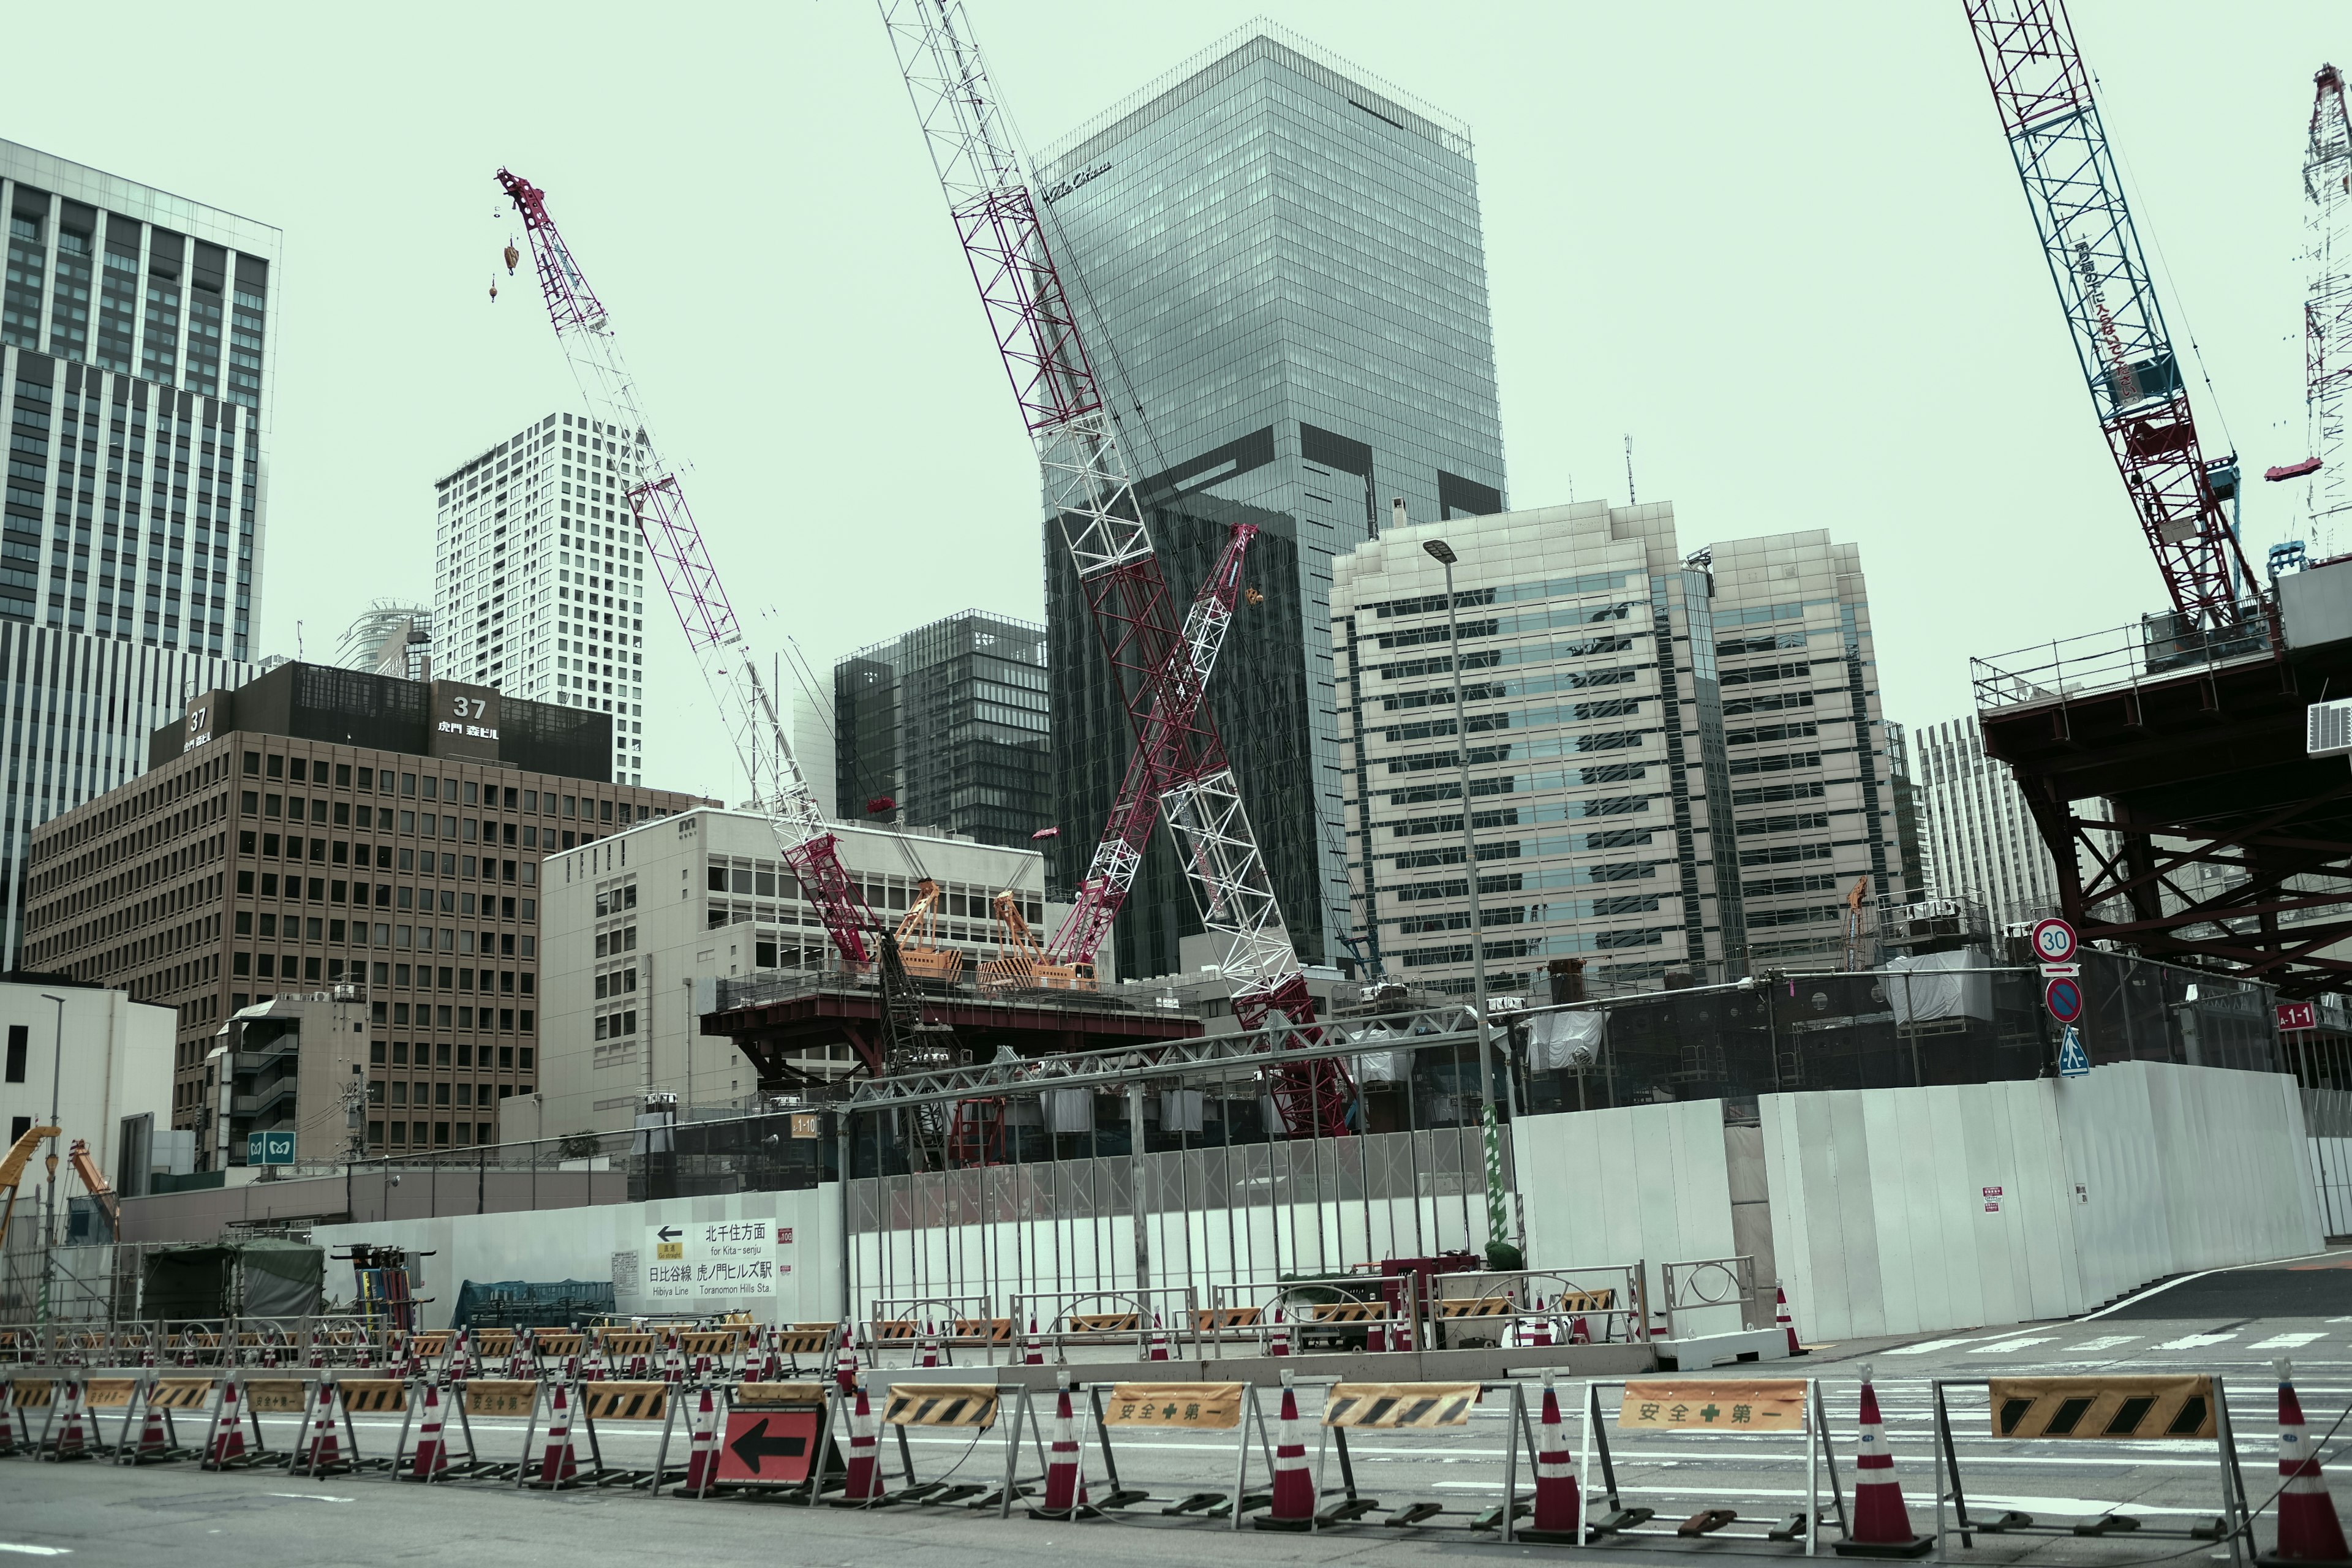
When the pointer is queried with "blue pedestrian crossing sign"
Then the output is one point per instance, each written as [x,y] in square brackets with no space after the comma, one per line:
[2073,1061]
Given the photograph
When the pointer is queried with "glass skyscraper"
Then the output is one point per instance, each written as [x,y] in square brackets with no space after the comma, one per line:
[1278,266]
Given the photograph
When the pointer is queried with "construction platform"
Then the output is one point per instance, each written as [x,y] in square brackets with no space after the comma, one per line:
[2167,774]
[778,1019]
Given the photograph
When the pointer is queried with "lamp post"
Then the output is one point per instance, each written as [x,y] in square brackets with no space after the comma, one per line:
[49,1199]
[1443,554]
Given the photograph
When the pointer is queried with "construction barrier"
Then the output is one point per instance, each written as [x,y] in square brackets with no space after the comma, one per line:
[1791,1406]
[2186,1407]
[773,1439]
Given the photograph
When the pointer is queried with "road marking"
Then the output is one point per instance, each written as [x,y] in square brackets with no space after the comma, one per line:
[36,1551]
[309,1497]
[2285,1341]
[2104,1342]
[2001,1347]
[1924,1346]
[2193,1341]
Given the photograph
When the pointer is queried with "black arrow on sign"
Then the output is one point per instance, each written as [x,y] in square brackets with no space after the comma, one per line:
[755,1445]
[669,1233]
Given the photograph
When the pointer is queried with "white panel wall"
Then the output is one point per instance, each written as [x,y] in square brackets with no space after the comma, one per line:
[1644,1182]
[2331,1174]
[579,1244]
[1882,1223]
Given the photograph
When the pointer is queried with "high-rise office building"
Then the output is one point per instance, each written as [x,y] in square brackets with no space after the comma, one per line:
[540,576]
[1278,260]
[1979,838]
[389,638]
[948,722]
[136,365]
[1597,775]
[1817,791]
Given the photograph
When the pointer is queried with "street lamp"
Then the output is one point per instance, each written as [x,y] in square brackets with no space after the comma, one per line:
[49,1201]
[1443,554]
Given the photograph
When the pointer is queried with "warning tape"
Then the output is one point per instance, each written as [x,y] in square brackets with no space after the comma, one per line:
[941,1404]
[182,1393]
[804,1342]
[626,1401]
[984,1331]
[1207,1319]
[559,1341]
[1474,1306]
[1393,1406]
[35,1393]
[710,1341]
[1349,1313]
[2147,1407]
[1105,1323]
[367,1394]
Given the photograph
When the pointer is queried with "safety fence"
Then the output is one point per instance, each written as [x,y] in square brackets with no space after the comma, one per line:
[1199,1453]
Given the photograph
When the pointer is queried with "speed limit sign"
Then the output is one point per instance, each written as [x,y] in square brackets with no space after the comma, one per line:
[2053,940]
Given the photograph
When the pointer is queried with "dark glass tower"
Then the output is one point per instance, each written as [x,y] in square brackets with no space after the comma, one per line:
[949,722]
[1278,266]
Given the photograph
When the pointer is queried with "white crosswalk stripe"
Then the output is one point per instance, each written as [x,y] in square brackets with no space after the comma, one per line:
[1925,1346]
[2285,1341]
[2194,1342]
[2104,1342]
[2002,1347]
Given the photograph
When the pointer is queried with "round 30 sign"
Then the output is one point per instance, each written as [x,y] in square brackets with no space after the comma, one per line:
[2053,940]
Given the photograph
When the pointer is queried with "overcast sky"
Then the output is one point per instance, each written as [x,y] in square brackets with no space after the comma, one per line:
[1784,248]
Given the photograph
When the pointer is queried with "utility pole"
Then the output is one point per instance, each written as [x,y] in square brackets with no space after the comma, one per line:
[49,1199]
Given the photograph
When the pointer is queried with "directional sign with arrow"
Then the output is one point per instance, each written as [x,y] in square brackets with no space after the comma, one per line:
[770,1447]
[712,1261]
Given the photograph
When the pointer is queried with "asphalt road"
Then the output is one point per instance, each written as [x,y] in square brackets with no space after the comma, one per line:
[2232,1324]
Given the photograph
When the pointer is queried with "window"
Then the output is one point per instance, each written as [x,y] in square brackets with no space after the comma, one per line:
[18,1038]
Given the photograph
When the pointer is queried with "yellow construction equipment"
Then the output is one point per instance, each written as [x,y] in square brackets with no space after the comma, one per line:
[1020,963]
[919,947]
[1853,897]
[100,1189]
[12,1169]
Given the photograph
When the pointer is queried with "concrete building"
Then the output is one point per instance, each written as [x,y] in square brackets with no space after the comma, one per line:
[104,1064]
[1979,840]
[415,877]
[638,926]
[1598,760]
[137,372]
[1814,792]
[1284,283]
[389,638]
[540,577]
[949,722]
[297,1062]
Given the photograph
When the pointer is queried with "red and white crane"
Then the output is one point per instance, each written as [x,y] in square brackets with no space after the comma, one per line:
[779,790]
[1179,758]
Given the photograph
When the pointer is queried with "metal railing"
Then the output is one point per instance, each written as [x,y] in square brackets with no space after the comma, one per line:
[2152,648]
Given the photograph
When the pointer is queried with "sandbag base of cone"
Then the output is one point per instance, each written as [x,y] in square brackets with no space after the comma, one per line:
[1298,1525]
[1551,1537]
[1918,1546]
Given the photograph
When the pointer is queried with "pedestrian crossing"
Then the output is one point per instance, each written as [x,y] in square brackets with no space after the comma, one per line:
[2052,1348]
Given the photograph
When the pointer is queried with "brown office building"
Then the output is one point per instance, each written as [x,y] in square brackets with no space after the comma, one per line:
[322,828]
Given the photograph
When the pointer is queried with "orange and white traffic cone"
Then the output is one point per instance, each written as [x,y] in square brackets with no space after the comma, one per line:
[702,1452]
[558,1465]
[2308,1529]
[1882,1527]
[1580,1332]
[73,1438]
[431,1460]
[863,1484]
[844,1362]
[1401,1333]
[1560,1511]
[1294,1487]
[14,1433]
[1277,1341]
[227,1447]
[1033,1349]
[323,1453]
[1788,1323]
[1065,1485]
[154,1440]
[1155,1346]
[926,1348]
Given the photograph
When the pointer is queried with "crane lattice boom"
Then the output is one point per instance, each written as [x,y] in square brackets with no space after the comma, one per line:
[1180,756]
[2328,311]
[2047,111]
[779,790]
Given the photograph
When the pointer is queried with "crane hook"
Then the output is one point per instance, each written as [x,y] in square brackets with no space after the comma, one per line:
[494,289]
[513,256]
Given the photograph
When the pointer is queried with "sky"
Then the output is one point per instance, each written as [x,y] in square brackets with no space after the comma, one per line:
[1783,248]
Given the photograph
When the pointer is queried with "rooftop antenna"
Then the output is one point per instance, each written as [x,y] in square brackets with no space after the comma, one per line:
[1632,497]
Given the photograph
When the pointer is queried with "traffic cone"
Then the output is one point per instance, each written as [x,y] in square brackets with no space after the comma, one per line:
[1066,1487]
[1033,1349]
[1401,1333]
[595,1371]
[845,1363]
[72,1441]
[461,1356]
[1788,1323]
[2308,1530]
[432,1461]
[673,1360]
[863,1485]
[523,1360]
[1560,1511]
[1376,1336]
[154,1442]
[1277,1341]
[323,1455]
[1882,1528]
[1294,1488]
[558,1465]
[14,1433]
[228,1430]
[1580,1332]
[702,1454]
[926,1349]
[1156,1347]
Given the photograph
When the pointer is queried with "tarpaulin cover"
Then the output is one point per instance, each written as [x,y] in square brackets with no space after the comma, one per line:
[1556,1041]
[519,1303]
[258,1278]
[1922,989]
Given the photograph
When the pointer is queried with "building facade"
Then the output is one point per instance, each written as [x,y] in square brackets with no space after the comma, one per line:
[414,879]
[539,575]
[1279,264]
[1817,795]
[948,722]
[1979,840]
[1598,775]
[627,961]
[100,1060]
[389,638]
[136,366]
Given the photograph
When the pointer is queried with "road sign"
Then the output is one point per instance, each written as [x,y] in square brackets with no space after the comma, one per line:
[2054,939]
[2073,1061]
[269,1148]
[2298,1016]
[728,1260]
[2063,997]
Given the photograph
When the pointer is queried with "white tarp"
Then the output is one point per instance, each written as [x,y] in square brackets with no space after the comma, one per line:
[1556,1041]
[1922,989]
